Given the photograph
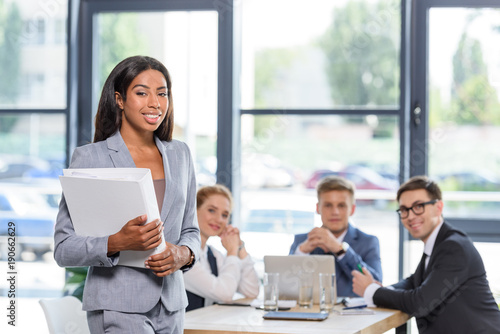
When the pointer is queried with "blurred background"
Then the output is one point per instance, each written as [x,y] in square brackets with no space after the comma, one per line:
[330,88]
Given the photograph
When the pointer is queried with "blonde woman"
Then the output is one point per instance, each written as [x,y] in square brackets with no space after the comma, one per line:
[217,277]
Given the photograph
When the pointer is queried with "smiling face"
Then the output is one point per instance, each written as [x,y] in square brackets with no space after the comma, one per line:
[213,215]
[146,103]
[335,208]
[421,226]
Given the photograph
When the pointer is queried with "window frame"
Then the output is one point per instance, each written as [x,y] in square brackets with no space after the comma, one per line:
[479,230]
[227,123]
[402,112]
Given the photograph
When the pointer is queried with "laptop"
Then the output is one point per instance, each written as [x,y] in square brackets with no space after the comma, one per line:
[289,266]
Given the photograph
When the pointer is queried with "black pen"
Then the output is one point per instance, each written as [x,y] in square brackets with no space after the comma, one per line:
[355,307]
[231,304]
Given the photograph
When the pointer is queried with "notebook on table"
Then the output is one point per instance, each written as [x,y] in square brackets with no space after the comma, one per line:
[277,315]
[289,266]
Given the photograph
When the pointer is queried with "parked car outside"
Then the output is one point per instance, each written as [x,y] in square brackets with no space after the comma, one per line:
[33,216]
[16,166]
[362,177]
[317,175]
[371,187]
[469,181]
[265,171]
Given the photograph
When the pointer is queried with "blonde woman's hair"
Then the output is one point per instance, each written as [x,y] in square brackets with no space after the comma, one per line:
[217,189]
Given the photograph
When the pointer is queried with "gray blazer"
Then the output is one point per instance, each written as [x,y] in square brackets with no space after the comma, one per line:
[128,289]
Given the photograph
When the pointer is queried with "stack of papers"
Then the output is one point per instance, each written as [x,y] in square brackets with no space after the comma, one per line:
[353,301]
[282,304]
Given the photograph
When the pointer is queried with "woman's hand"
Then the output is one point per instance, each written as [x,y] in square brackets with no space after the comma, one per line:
[230,239]
[170,260]
[241,251]
[136,235]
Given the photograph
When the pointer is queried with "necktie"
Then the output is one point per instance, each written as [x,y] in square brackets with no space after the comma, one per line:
[212,262]
[422,265]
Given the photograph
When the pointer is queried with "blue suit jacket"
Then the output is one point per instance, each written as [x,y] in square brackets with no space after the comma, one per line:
[364,249]
[452,295]
[128,289]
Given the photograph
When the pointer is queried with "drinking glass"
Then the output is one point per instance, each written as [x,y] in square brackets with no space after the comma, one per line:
[327,291]
[271,292]
[306,289]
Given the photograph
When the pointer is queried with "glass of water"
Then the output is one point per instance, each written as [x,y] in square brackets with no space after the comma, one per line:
[306,289]
[327,291]
[271,292]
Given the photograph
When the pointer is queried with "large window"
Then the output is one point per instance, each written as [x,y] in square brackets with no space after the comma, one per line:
[323,55]
[33,142]
[284,157]
[270,95]
[454,116]
[33,53]
[320,95]
[177,39]
[464,102]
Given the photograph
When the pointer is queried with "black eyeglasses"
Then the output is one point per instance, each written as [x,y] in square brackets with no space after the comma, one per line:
[417,209]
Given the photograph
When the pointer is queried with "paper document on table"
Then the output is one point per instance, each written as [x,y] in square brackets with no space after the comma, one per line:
[354,312]
[282,304]
[354,301]
[101,200]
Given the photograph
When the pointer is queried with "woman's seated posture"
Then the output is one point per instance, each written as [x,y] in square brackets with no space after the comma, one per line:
[217,277]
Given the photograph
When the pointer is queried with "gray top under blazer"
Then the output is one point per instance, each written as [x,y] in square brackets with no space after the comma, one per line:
[121,288]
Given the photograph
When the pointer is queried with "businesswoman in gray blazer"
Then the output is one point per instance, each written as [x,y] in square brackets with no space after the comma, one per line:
[133,128]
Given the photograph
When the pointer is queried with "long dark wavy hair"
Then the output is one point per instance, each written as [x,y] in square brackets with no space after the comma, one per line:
[108,119]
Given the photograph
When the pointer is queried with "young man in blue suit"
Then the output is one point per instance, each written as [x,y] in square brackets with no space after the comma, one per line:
[351,247]
[449,292]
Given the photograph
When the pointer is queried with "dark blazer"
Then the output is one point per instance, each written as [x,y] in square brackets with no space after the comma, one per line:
[452,295]
[129,289]
[364,249]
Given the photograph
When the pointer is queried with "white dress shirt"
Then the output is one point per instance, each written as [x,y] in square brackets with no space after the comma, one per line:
[234,275]
[428,247]
[340,239]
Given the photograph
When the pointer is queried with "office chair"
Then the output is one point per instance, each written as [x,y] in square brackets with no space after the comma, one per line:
[64,315]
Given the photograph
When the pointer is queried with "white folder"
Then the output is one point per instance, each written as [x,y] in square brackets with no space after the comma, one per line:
[101,200]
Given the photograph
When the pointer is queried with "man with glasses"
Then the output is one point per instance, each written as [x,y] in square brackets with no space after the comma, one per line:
[449,292]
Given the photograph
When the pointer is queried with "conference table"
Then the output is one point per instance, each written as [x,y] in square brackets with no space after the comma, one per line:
[224,319]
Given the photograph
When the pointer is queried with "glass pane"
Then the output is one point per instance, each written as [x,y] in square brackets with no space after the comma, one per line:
[33,54]
[326,54]
[178,40]
[32,155]
[489,253]
[464,99]
[283,157]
